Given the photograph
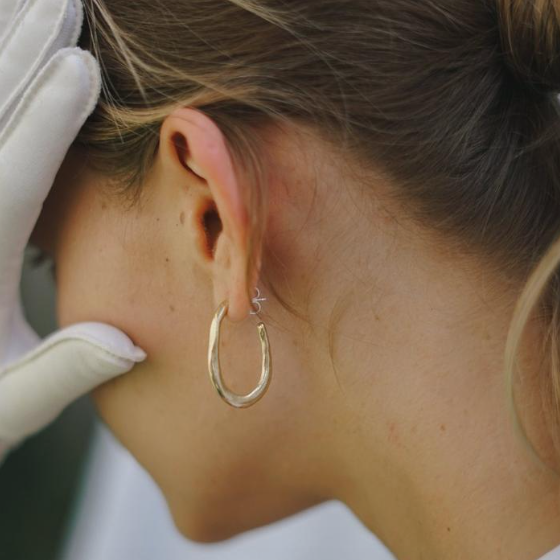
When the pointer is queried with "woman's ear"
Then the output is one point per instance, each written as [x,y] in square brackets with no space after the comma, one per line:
[193,154]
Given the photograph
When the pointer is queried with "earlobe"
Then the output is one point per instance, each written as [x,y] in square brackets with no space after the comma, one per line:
[194,147]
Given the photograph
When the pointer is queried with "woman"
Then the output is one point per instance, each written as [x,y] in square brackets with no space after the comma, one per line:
[378,183]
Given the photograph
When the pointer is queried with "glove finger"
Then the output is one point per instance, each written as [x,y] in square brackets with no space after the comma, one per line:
[8,11]
[68,363]
[39,30]
[32,149]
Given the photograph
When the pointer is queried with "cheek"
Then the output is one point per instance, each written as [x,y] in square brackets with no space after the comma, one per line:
[111,269]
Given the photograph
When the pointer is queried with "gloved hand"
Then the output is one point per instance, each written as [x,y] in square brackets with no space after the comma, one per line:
[48,87]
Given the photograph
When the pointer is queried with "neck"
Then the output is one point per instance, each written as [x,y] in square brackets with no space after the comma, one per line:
[435,468]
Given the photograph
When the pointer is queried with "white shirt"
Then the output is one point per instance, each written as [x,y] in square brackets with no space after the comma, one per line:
[553,554]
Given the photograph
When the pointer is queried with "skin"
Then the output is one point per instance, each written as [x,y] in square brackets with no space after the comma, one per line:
[410,428]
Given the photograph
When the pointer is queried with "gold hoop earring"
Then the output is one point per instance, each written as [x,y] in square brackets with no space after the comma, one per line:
[237,401]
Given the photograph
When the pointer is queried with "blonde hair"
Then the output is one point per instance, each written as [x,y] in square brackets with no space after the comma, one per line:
[453,99]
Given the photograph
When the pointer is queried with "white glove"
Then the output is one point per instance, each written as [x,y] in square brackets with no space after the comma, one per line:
[48,87]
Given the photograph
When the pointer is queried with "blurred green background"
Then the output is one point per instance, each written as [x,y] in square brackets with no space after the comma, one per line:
[38,480]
